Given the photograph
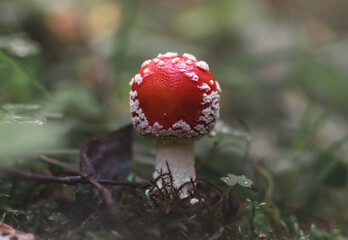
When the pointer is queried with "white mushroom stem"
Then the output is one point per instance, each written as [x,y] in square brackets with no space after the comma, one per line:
[181,162]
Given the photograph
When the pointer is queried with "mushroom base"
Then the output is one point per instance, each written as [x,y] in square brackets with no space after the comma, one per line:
[180,159]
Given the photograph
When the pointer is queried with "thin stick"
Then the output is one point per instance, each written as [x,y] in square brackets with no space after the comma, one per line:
[204,180]
[73,180]
[207,158]
[105,193]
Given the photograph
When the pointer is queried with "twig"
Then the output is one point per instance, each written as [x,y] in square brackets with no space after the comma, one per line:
[86,165]
[105,193]
[170,175]
[207,158]
[73,180]
[184,185]
[252,219]
[204,180]
[155,186]
[57,151]
[59,163]
[249,140]
[217,234]
[70,180]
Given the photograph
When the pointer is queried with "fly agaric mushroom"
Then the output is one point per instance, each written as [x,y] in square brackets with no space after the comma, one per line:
[174,100]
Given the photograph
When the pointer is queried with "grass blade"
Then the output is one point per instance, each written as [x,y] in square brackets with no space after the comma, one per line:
[19,68]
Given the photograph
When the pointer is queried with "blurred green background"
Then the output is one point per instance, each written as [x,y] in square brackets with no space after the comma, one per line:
[282,65]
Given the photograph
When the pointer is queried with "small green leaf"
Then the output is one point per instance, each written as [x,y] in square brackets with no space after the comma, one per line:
[232,180]
[232,176]
[224,179]
[244,181]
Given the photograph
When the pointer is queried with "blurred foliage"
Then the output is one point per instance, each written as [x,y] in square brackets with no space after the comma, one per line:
[23,129]
[65,68]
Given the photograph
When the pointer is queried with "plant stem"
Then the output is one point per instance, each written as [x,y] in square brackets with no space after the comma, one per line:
[180,159]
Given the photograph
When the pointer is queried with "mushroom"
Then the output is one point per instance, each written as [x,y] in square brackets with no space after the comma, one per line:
[175,101]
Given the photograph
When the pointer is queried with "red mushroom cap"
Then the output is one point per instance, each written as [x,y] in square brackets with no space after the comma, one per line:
[174,97]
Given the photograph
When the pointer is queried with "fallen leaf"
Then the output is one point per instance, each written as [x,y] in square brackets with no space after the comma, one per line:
[107,157]
[9,233]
